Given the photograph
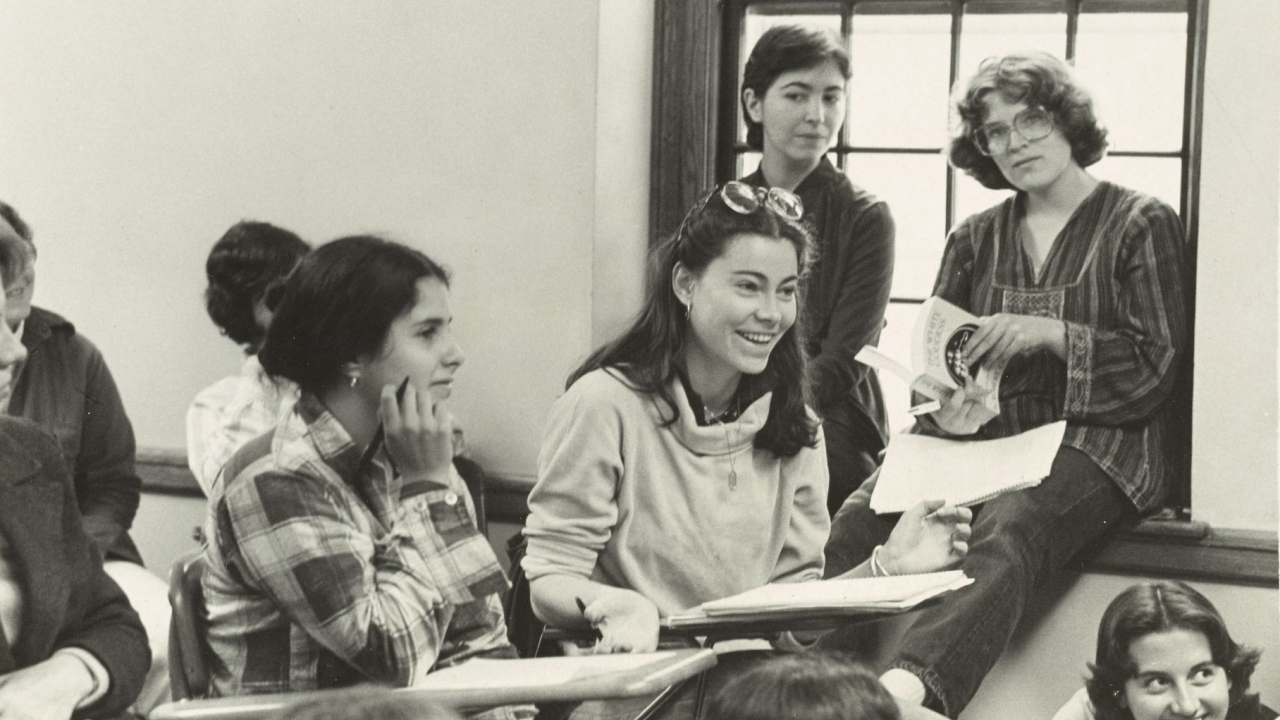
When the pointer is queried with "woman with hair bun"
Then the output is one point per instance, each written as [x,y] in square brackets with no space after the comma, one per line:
[246,270]
[1080,288]
[344,548]
[1164,652]
[793,100]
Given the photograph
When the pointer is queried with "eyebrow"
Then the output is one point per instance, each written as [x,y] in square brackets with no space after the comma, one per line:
[806,86]
[764,278]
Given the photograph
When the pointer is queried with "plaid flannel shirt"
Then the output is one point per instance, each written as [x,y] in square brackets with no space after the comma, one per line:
[324,572]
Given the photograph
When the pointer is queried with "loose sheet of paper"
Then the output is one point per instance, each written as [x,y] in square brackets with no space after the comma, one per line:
[482,673]
[962,472]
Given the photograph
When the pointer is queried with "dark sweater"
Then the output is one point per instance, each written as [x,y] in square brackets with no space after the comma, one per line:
[845,296]
[68,599]
[65,387]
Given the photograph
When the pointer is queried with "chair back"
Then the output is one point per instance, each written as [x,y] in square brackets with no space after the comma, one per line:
[473,475]
[188,641]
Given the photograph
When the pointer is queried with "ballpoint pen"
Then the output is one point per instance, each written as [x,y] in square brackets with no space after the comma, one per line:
[582,607]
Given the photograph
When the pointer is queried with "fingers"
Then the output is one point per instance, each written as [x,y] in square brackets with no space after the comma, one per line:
[990,329]
[389,409]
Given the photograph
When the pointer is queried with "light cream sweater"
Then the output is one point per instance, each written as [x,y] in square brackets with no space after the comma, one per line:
[629,503]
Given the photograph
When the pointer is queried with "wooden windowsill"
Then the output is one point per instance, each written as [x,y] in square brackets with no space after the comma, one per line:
[1155,548]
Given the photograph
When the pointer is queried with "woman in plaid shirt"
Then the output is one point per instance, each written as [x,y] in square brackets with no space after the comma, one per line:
[344,548]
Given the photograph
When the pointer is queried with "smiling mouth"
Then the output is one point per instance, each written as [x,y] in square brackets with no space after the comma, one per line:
[757,338]
[1025,161]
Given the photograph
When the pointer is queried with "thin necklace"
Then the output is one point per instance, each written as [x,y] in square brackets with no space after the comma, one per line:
[730,442]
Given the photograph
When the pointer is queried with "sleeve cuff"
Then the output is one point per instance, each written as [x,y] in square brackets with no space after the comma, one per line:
[101,678]
[1079,368]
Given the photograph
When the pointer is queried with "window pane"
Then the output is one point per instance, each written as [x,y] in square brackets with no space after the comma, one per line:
[914,186]
[1135,66]
[972,198]
[895,341]
[898,94]
[755,24]
[984,36]
[1161,177]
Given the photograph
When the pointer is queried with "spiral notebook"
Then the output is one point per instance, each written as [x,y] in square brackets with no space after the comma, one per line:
[963,472]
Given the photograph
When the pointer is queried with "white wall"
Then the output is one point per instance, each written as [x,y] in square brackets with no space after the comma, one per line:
[1234,465]
[134,133]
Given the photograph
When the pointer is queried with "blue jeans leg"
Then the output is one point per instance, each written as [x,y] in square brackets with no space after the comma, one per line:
[1019,541]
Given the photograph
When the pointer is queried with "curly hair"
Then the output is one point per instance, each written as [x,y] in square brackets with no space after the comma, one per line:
[1033,77]
[815,685]
[1155,607]
[782,49]
[247,264]
[646,353]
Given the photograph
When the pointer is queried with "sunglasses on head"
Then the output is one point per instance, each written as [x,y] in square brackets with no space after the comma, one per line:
[745,199]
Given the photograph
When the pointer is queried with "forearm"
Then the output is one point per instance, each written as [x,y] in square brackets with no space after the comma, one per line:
[555,598]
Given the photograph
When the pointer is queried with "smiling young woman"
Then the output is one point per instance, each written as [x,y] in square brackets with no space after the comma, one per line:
[682,464]
[793,100]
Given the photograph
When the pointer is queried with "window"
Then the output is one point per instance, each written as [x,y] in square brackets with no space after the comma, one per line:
[1140,58]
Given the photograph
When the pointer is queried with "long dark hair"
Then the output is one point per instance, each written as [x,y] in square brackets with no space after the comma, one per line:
[815,685]
[646,354]
[338,305]
[1158,607]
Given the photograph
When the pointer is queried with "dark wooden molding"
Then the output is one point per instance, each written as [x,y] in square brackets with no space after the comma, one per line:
[1163,550]
[685,62]
[165,472]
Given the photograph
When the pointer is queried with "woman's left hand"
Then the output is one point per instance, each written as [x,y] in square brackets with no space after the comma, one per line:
[1004,336]
[929,537]
[49,689]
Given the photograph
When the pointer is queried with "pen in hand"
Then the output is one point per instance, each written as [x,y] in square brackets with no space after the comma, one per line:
[582,607]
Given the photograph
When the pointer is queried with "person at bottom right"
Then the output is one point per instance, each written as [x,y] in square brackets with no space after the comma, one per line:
[1079,285]
[1164,652]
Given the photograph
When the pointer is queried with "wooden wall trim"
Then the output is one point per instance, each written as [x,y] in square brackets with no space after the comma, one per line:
[686,45]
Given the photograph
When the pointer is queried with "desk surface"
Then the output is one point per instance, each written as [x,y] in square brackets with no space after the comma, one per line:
[645,678]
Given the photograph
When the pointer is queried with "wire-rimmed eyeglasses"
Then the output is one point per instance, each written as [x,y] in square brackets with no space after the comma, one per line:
[1034,123]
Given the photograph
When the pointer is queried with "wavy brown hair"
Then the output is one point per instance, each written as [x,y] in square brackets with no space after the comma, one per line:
[1033,77]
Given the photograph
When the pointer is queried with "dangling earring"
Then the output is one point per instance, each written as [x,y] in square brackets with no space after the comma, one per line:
[355,380]
[688,310]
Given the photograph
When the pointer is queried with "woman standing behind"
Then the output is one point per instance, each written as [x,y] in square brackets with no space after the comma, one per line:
[793,98]
[682,465]
[1079,284]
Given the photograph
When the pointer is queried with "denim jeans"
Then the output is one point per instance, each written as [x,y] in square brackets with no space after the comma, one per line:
[1019,540]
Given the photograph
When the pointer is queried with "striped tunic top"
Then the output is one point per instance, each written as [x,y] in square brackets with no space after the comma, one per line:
[1116,276]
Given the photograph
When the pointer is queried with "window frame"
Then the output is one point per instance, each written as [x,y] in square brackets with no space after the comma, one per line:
[695,124]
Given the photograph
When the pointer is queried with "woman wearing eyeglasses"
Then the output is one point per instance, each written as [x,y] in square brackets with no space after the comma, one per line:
[682,465]
[1080,287]
[793,100]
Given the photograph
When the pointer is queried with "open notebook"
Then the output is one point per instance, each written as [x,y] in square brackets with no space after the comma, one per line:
[963,472]
[902,592]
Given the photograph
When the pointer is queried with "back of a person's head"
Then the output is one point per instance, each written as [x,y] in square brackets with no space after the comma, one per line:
[337,306]
[365,703]
[814,685]
[10,215]
[248,264]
